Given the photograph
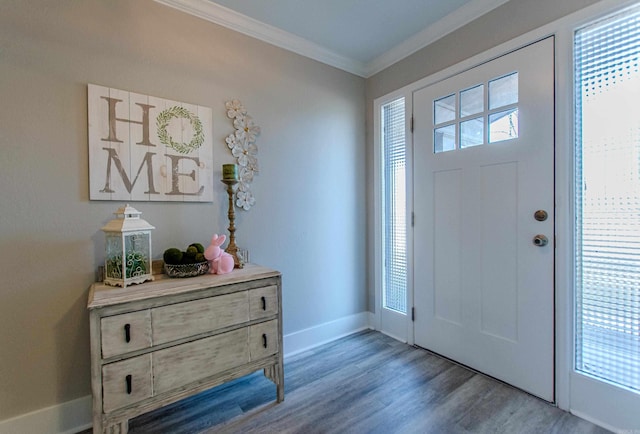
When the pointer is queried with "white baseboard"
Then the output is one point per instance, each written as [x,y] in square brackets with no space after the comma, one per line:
[66,418]
[73,416]
[311,337]
[600,423]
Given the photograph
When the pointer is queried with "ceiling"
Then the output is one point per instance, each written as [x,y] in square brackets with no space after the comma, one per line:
[359,36]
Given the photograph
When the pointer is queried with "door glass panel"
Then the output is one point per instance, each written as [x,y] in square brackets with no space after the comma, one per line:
[394,282]
[444,139]
[503,91]
[444,109]
[503,126]
[502,115]
[607,189]
[472,132]
[472,101]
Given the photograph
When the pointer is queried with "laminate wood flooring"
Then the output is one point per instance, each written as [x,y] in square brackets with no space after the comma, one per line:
[364,383]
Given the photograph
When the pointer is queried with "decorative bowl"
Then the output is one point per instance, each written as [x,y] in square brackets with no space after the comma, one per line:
[186,270]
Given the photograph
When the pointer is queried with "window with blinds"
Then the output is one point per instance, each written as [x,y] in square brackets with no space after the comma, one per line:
[607,130]
[394,202]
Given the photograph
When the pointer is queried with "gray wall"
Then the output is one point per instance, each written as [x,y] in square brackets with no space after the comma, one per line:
[504,23]
[310,193]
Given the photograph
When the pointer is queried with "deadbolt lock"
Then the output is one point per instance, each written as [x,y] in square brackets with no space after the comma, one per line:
[540,215]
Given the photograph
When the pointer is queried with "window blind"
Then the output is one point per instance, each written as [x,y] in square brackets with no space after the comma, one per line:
[394,207]
[608,199]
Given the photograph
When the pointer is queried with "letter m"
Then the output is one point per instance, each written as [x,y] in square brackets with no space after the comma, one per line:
[113,157]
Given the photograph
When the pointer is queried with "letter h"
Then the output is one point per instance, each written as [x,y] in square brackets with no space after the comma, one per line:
[113,137]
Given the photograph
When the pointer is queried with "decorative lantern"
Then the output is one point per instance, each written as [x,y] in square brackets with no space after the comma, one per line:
[127,248]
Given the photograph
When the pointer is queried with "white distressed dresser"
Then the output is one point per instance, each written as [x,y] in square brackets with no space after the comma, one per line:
[158,342]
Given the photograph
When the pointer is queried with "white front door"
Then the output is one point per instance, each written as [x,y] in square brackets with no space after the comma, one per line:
[483,166]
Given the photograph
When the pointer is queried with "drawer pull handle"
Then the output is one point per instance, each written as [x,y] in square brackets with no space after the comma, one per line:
[264,340]
[264,303]
[129,385]
[127,333]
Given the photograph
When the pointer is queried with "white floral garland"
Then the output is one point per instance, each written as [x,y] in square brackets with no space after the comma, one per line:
[243,146]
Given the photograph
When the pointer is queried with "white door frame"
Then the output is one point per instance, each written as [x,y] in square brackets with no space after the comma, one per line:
[574,391]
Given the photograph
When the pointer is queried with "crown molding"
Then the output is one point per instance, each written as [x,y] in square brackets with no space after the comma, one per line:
[230,19]
[233,20]
[441,28]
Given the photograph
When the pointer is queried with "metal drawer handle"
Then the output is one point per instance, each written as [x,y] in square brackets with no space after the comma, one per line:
[127,333]
[129,385]
[264,303]
[264,340]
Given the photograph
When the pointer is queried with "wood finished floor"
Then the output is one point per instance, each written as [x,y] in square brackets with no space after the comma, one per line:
[364,383]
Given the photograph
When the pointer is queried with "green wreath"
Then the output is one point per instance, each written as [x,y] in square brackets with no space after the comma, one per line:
[162,121]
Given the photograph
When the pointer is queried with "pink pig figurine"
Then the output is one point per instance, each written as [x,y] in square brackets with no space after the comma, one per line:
[220,262]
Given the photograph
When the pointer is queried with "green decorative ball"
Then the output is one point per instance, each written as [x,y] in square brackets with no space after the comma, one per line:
[200,257]
[186,259]
[172,256]
[198,246]
[191,251]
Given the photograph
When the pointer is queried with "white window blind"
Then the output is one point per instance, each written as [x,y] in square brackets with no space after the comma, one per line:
[394,207]
[608,199]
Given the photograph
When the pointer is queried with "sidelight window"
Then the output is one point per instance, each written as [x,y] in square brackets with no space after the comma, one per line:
[607,89]
[394,204]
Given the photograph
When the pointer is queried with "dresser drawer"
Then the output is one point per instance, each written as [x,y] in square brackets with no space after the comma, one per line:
[126,332]
[126,382]
[263,302]
[181,320]
[263,339]
[184,364]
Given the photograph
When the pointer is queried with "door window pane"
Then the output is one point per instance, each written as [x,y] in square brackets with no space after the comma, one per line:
[472,101]
[472,132]
[503,91]
[608,199]
[444,139]
[444,109]
[394,282]
[503,126]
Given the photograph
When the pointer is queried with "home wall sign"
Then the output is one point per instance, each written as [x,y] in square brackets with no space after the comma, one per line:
[143,148]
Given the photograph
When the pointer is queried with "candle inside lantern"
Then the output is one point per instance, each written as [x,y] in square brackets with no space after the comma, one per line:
[229,171]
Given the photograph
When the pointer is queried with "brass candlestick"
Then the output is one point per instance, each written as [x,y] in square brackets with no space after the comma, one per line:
[232,249]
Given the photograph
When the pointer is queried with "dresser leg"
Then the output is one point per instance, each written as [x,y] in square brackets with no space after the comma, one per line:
[280,383]
[269,372]
[121,427]
[280,391]
[275,373]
